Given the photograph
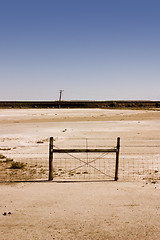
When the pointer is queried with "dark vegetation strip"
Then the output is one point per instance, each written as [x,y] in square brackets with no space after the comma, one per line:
[81,104]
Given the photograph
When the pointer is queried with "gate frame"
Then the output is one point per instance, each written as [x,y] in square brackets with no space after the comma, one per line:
[52,150]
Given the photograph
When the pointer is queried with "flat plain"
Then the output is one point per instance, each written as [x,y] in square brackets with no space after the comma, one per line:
[127,209]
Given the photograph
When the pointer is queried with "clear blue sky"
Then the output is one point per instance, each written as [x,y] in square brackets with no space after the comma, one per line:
[92,49]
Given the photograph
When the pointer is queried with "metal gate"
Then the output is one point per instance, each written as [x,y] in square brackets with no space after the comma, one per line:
[83,164]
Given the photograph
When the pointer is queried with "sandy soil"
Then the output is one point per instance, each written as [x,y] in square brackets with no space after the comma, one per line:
[80,211]
[84,210]
[68,115]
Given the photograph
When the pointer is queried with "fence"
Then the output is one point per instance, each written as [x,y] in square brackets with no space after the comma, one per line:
[140,160]
[91,167]
[27,161]
[24,161]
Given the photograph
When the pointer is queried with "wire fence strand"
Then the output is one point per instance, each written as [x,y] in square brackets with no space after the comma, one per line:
[139,160]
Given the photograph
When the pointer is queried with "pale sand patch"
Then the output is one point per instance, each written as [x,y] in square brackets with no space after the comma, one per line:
[64,115]
[80,211]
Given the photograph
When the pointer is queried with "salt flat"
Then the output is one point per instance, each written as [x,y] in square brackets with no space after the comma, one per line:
[84,210]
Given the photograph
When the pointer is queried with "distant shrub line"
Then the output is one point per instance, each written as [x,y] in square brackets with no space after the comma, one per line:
[80,104]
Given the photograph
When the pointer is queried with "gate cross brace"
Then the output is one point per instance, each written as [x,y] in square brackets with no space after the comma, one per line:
[53,150]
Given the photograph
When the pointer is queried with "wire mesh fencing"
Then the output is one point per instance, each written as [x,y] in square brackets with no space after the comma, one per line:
[77,167]
[83,159]
[25,161]
[140,160]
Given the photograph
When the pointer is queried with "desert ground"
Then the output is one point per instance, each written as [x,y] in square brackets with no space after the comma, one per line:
[31,207]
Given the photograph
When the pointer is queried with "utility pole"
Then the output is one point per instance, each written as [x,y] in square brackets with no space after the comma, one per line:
[60,97]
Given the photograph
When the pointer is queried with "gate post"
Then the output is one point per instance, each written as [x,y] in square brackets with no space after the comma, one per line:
[51,159]
[117,159]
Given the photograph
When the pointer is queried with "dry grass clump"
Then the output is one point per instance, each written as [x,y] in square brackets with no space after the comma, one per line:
[17,165]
